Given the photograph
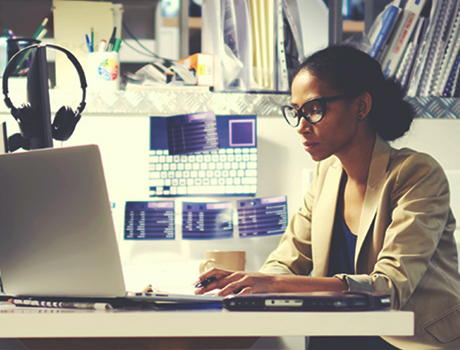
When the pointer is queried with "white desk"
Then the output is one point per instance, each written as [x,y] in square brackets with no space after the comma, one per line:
[49,323]
[37,325]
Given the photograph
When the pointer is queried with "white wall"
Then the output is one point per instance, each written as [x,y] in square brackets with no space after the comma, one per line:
[123,141]
[282,161]
[173,265]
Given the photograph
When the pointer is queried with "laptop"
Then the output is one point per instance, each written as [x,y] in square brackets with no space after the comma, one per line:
[57,238]
[311,301]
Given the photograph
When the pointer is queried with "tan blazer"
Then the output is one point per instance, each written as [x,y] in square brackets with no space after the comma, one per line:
[405,243]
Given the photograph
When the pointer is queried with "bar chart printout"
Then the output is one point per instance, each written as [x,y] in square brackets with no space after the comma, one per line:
[262,216]
[192,133]
[149,220]
[207,220]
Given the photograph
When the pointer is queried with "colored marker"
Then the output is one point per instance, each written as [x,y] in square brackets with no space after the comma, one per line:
[88,42]
[102,46]
[116,46]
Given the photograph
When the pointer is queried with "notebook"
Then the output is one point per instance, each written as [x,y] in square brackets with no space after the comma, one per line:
[312,301]
[57,238]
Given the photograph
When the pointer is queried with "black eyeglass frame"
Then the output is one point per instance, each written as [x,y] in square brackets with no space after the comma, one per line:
[322,101]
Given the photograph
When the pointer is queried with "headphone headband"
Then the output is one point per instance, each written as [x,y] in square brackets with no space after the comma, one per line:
[70,56]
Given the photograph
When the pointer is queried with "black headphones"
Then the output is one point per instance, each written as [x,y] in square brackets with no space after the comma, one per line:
[66,119]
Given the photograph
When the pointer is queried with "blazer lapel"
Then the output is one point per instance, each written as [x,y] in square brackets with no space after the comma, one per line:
[323,220]
[378,172]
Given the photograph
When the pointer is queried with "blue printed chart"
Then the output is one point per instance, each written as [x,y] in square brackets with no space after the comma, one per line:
[262,216]
[207,220]
[149,220]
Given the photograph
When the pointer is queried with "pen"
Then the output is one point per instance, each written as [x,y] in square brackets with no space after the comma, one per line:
[112,39]
[205,282]
[90,48]
[92,37]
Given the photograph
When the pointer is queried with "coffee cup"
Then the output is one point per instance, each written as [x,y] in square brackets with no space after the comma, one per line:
[234,260]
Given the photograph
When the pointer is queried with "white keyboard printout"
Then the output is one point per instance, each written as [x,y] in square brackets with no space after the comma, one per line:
[203,154]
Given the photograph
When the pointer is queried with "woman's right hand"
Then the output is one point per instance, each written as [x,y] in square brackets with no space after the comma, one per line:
[236,282]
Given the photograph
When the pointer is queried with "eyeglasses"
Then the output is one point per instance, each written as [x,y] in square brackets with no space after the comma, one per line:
[313,110]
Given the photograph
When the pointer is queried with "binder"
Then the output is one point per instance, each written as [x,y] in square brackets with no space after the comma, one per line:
[256,39]
[456,89]
[418,53]
[212,41]
[282,79]
[306,30]
[407,64]
[271,40]
[422,55]
[382,28]
[245,44]
[314,27]
[437,48]
[231,63]
[271,43]
[452,48]
[452,80]
[403,31]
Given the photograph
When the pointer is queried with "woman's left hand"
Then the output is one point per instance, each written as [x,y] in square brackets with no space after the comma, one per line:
[237,282]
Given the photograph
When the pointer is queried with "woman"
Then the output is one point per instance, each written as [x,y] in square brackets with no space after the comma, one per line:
[392,227]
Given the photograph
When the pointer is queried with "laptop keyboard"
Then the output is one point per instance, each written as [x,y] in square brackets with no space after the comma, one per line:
[226,171]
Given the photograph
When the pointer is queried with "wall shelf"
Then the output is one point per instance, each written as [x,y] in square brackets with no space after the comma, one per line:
[179,102]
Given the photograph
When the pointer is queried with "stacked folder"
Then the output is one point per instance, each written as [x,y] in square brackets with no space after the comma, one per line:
[418,44]
[257,44]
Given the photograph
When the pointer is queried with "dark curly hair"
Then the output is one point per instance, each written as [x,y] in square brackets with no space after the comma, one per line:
[350,70]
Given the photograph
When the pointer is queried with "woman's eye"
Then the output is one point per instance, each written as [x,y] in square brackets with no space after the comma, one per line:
[312,108]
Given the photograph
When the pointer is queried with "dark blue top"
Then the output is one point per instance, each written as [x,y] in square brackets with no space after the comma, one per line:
[343,248]
[342,257]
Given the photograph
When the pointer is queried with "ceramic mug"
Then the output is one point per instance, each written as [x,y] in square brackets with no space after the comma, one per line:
[234,260]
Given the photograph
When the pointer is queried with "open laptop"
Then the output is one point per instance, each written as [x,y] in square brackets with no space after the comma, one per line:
[57,238]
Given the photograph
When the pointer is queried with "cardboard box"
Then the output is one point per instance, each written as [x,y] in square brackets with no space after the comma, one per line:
[202,66]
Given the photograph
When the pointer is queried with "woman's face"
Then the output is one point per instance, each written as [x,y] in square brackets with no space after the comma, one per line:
[335,133]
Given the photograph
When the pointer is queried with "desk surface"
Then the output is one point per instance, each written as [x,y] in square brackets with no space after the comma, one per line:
[48,323]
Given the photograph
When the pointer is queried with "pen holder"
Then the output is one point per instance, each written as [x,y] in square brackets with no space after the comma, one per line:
[16,44]
[103,71]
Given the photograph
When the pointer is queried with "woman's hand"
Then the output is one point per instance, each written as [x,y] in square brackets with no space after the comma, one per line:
[241,282]
[236,282]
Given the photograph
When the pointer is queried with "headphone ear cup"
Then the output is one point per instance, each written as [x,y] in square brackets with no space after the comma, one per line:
[64,123]
[24,116]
